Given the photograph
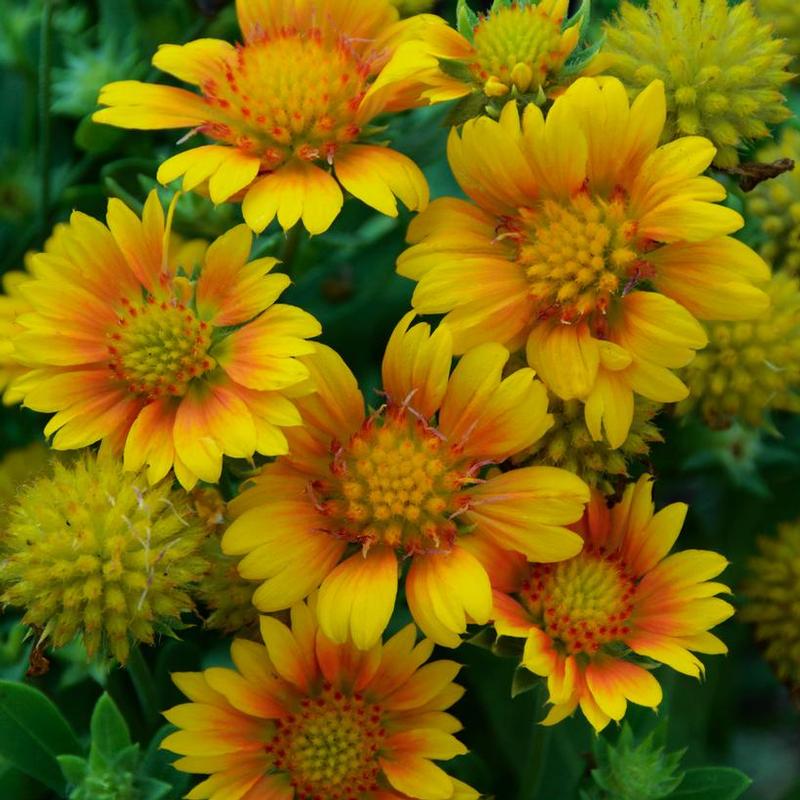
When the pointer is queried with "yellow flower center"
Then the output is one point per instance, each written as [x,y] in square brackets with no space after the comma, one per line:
[290,94]
[577,256]
[157,348]
[582,603]
[330,746]
[518,46]
[396,483]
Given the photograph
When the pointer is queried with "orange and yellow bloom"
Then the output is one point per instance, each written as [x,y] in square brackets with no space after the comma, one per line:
[588,244]
[174,365]
[287,110]
[586,619]
[358,496]
[301,717]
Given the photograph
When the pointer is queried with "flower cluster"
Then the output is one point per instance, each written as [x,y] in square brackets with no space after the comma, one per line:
[230,466]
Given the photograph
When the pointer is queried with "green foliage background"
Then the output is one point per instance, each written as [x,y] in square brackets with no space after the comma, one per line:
[738,484]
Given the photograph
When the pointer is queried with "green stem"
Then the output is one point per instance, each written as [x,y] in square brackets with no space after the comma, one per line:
[290,247]
[537,758]
[45,123]
[143,685]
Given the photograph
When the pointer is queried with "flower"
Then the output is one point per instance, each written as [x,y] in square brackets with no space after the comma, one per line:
[18,467]
[776,205]
[93,550]
[569,445]
[783,16]
[749,367]
[588,244]
[519,49]
[721,65]
[772,589]
[285,110]
[356,492]
[224,592]
[408,8]
[170,365]
[303,717]
[584,619]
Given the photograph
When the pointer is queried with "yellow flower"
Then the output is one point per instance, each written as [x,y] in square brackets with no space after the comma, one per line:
[772,590]
[782,14]
[519,48]
[750,367]
[95,551]
[286,110]
[301,717]
[622,594]
[587,243]
[722,68]
[569,445]
[776,205]
[170,364]
[360,496]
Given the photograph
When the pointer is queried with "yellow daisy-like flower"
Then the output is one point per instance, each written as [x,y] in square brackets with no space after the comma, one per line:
[772,590]
[775,204]
[295,100]
[723,68]
[622,593]
[518,48]
[587,243]
[173,367]
[301,718]
[750,367]
[358,495]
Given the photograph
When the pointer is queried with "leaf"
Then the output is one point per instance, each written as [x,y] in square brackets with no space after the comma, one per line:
[109,730]
[711,783]
[456,68]
[33,732]
[74,768]
[468,107]
[151,789]
[523,681]
[466,19]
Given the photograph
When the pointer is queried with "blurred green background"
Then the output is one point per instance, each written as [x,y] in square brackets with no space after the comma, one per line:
[738,484]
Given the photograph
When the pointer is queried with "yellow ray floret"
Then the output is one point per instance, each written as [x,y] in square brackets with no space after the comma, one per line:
[301,717]
[589,245]
[622,592]
[171,364]
[359,497]
[287,110]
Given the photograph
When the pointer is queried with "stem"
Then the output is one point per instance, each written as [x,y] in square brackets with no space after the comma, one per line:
[293,236]
[537,758]
[143,685]
[45,126]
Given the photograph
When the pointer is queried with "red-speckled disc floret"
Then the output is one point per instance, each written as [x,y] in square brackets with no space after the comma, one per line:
[582,603]
[266,109]
[329,747]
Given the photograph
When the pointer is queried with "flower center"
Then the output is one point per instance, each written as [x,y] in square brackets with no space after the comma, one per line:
[582,603]
[577,256]
[396,482]
[330,746]
[157,348]
[289,94]
[517,46]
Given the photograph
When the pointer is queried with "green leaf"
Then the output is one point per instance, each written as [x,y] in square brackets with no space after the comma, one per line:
[470,106]
[466,19]
[711,783]
[151,789]
[33,732]
[109,730]
[74,768]
[96,139]
[582,15]
[456,69]
[524,680]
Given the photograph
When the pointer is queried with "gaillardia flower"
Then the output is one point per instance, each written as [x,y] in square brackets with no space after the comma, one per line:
[772,589]
[586,619]
[722,68]
[173,366]
[303,718]
[775,204]
[518,48]
[92,550]
[749,367]
[588,244]
[359,495]
[286,111]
